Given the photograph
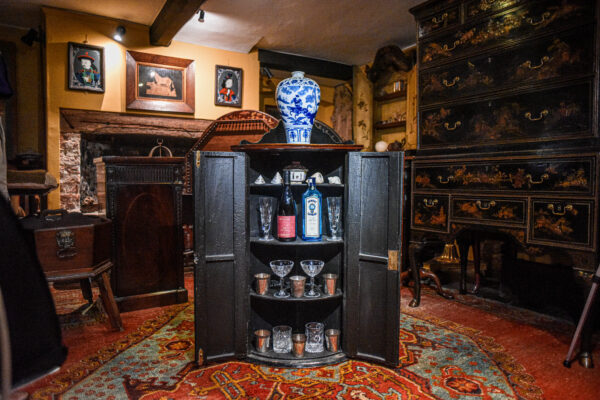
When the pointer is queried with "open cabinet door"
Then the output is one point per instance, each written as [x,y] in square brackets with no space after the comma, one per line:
[220,281]
[372,286]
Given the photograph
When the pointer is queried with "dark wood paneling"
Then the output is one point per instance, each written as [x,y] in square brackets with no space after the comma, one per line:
[372,290]
[171,18]
[221,255]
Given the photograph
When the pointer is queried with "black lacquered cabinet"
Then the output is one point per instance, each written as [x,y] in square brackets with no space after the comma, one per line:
[365,307]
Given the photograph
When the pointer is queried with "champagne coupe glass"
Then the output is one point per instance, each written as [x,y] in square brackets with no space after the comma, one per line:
[334,211]
[281,268]
[312,269]
[265,208]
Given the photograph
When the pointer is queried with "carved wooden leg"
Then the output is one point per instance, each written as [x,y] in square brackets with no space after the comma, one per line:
[477,264]
[438,285]
[86,290]
[463,247]
[414,255]
[108,300]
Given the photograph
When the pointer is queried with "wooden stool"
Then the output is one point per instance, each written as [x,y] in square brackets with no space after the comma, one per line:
[99,273]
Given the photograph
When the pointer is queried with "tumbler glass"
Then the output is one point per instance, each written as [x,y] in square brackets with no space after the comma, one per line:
[282,339]
[314,337]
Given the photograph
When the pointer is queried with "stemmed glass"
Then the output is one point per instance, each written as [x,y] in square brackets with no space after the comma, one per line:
[312,269]
[265,208]
[281,268]
[334,211]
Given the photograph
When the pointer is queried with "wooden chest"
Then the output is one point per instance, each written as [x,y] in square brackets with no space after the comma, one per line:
[68,242]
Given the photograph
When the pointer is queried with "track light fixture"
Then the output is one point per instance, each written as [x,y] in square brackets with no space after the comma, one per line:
[119,33]
[201,16]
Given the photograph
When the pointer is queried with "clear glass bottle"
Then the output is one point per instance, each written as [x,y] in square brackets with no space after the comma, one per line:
[312,221]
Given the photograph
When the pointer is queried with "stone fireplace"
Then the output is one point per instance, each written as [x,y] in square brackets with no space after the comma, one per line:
[85,135]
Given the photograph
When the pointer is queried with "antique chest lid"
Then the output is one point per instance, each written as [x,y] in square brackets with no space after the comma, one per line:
[51,219]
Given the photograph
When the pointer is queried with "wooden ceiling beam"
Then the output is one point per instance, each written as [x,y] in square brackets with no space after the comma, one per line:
[170,19]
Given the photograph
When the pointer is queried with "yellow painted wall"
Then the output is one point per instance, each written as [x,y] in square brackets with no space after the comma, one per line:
[28,90]
[63,27]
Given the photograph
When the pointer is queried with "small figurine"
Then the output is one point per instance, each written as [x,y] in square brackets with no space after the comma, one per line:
[260,180]
[318,177]
[277,179]
[334,180]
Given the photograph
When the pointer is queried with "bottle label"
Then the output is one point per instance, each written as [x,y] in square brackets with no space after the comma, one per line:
[286,226]
[312,216]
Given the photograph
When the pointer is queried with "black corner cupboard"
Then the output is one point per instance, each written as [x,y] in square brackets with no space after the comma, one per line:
[366,306]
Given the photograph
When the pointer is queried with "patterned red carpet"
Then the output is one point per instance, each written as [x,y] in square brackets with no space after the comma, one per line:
[448,351]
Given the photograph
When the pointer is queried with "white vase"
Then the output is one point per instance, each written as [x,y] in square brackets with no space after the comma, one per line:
[298,99]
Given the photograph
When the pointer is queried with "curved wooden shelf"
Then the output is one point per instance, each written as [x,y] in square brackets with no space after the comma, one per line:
[389,125]
[298,242]
[289,360]
[289,147]
[391,96]
[269,296]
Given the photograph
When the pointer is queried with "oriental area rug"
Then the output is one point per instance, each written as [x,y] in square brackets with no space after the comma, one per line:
[439,360]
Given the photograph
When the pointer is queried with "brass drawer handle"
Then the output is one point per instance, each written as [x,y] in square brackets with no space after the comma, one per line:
[435,20]
[448,179]
[430,202]
[453,127]
[543,60]
[482,207]
[542,114]
[544,176]
[450,84]
[447,48]
[543,19]
[568,207]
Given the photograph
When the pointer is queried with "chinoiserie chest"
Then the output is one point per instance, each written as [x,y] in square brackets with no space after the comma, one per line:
[508,124]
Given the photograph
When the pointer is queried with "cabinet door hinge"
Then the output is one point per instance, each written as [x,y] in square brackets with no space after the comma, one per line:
[392,260]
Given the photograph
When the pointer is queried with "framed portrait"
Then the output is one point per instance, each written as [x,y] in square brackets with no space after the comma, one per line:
[159,83]
[228,86]
[86,67]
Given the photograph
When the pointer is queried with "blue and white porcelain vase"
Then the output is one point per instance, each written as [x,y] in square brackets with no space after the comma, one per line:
[298,99]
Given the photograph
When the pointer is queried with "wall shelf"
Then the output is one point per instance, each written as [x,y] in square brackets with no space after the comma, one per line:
[391,96]
[390,125]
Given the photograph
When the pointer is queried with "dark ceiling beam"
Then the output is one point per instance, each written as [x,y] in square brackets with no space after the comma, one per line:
[174,14]
[310,66]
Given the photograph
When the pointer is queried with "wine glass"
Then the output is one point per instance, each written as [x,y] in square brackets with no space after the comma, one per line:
[281,268]
[265,208]
[312,269]
[334,210]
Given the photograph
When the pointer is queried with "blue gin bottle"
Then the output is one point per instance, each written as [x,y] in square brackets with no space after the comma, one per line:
[312,213]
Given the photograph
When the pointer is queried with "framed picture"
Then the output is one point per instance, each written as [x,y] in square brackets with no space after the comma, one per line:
[159,83]
[228,86]
[86,67]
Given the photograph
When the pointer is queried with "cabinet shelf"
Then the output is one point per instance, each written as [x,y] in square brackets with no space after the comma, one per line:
[271,186]
[270,296]
[289,360]
[290,147]
[389,125]
[391,96]
[298,242]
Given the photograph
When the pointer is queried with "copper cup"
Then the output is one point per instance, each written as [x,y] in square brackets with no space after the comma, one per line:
[262,337]
[262,283]
[332,337]
[298,282]
[330,282]
[299,341]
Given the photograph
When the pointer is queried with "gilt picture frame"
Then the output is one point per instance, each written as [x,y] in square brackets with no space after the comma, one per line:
[86,67]
[160,83]
[228,86]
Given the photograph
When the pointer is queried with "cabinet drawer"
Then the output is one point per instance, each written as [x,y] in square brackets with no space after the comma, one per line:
[489,209]
[476,8]
[558,175]
[430,212]
[540,116]
[510,25]
[562,223]
[440,20]
[557,56]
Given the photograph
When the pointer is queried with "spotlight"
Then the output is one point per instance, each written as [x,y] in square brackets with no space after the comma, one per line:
[31,36]
[201,16]
[119,33]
